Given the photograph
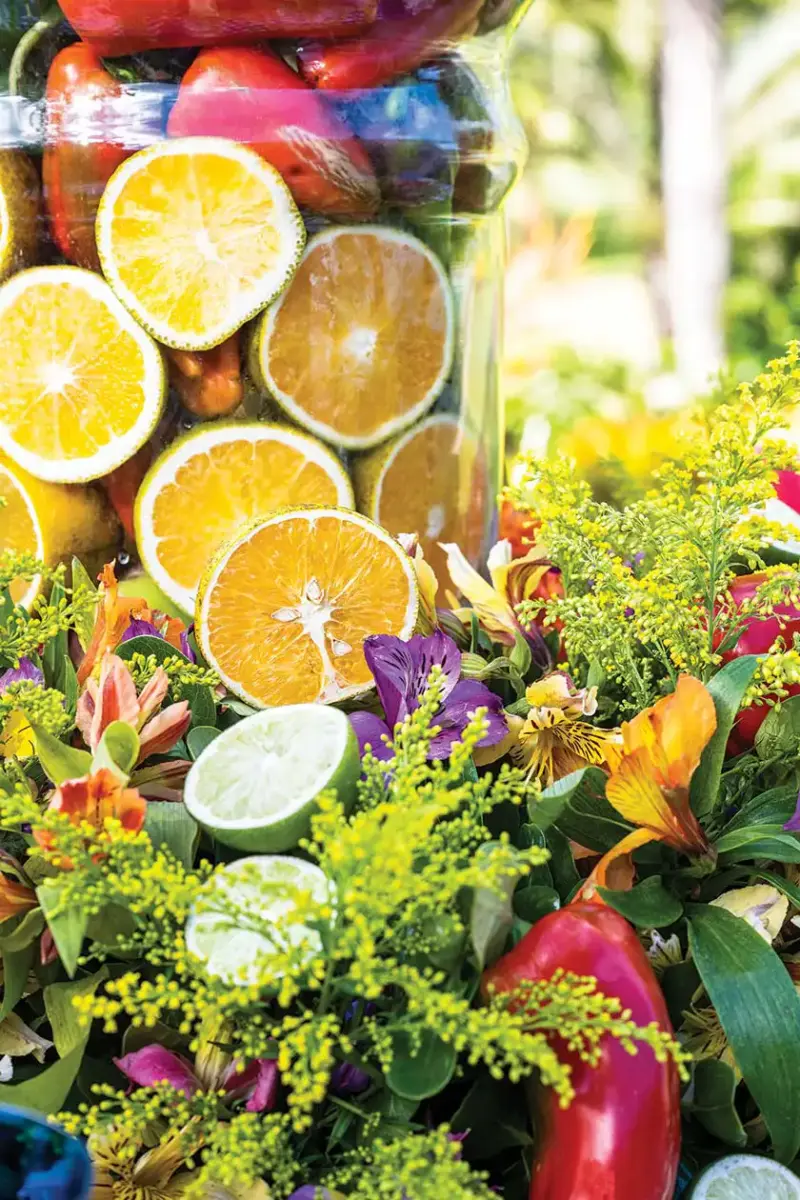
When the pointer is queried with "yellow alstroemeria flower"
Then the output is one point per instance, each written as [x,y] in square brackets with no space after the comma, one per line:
[426,579]
[555,740]
[513,580]
[761,906]
[661,750]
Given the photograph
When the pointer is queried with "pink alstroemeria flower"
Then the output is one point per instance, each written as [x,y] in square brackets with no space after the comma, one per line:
[257,1083]
[113,698]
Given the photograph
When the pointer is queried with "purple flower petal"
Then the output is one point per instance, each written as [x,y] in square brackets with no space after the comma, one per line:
[401,669]
[348,1080]
[454,717]
[154,1064]
[140,629]
[370,730]
[311,1191]
[265,1093]
[793,824]
[25,672]
[186,649]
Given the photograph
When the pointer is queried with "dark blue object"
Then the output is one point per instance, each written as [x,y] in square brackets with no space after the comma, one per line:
[39,1161]
[684,1179]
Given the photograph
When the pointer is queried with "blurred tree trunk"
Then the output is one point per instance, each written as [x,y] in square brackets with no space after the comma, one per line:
[694,184]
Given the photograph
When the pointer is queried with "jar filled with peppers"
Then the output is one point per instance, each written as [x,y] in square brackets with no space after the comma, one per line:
[252,258]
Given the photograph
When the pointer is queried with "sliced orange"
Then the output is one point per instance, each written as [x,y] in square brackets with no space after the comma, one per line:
[196,236]
[434,481]
[215,480]
[361,343]
[82,386]
[284,609]
[51,522]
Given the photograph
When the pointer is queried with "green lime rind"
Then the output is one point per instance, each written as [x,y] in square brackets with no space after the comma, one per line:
[256,786]
[745,1177]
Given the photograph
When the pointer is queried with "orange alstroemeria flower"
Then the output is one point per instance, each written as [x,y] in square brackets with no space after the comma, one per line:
[15,898]
[95,799]
[661,750]
[113,698]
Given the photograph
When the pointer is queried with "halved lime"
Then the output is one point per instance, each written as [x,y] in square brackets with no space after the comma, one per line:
[746,1177]
[255,787]
[230,928]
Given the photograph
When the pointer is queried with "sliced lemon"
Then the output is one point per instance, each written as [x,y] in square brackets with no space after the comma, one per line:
[82,386]
[284,609]
[196,236]
[432,480]
[20,197]
[361,343]
[51,521]
[218,478]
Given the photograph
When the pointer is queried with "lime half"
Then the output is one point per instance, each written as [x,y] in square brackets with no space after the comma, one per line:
[255,787]
[246,915]
[746,1177]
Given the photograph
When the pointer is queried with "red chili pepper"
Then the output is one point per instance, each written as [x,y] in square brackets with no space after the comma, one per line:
[116,27]
[253,97]
[82,101]
[405,35]
[620,1137]
[209,382]
[122,485]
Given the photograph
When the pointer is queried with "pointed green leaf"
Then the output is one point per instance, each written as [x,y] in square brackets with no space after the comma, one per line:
[59,761]
[55,647]
[17,966]
[780,731]
[169,824]
[727,689]
[68,928]
[577,806]
[758,841]
[713,1101]
[67,684]
[198,738]
[149,646]
[118,749]
[25,933]
[84,624]
[759,1010]
[773,807]
[68,1032]
[47,1091]
[648,905]
[201,704]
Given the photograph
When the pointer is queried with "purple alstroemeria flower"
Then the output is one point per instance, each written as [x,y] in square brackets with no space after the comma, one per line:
[401,671]
[313,1191]
[349,1080]
[138,628]
[26,672]
[257,1083]
[793,824]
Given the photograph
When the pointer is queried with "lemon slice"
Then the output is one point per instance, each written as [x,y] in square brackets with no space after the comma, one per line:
[82,386]
[361,343]
[284,609]
[52,522]
[746,1177]
[218,478]
[196,236]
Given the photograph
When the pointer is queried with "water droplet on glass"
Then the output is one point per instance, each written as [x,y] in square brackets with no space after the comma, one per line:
[123,558]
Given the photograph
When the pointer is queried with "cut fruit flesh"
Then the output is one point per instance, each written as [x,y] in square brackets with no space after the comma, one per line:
[82,386]
[218,479]
[361,343]
[196,236]
[283,610]
[233,949]
[52,522]
[255,787]
[746,1177]
[432,481]
[19,212]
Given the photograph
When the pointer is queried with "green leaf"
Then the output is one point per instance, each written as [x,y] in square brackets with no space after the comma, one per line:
[773,807]
[521,656]
[727,689]
[562,865]
[758,841]
[790,890]
[231,704]
[68,928]
[118,750]
[780,731]
[577,806]
[534,901]
[112,923]
[25,933]
[648,905]
[713,1101]
[59,761]
[17,966]
[149,646]
[201,704]
[67,684]
[47,1091]
[169,824]
[55,648]
[759,1010]
[596,676]
[418,1076]
[199,738]
[62,1014]
[84,624]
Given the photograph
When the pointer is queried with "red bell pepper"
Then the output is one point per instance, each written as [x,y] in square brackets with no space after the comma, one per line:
[83,101]
[121,487]
[620,1137]
[253,97]
[116,27]
[209,382]
[406,34]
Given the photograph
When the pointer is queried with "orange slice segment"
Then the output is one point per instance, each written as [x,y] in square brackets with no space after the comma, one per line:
[217,479]
[196,236]
[284,609]
[52,522]
[82,386]
[434,481]
[361,343]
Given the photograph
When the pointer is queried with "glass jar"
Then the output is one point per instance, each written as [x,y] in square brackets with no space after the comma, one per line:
[372,361]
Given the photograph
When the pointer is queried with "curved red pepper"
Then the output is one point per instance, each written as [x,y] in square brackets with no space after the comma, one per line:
[404,36]
[117,27]
[620,1137]
[209,382]
[78,159]
[253,97]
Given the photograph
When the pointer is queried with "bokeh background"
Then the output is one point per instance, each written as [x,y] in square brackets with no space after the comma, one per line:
[655,237]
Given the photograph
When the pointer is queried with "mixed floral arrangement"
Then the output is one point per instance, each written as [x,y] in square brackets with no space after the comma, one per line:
[568,883]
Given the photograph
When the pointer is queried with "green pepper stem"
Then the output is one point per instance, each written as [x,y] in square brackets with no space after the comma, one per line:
[52,17]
